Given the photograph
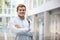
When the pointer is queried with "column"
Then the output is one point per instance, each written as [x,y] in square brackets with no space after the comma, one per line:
[46,25]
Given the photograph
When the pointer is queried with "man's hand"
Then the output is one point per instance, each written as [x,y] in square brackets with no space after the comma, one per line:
[17,26]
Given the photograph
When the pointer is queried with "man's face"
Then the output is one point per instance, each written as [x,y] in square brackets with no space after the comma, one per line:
[21,11]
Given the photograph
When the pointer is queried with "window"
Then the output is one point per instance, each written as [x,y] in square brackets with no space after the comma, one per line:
[0,6]
[9,11]
[34,3]
[48,0]
[41,2]
[0,10]
[6,11]
[7,21]
[30,4]
[0,22]
[0,3]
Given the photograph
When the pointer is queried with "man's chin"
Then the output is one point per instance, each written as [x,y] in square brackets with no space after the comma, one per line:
[21,15]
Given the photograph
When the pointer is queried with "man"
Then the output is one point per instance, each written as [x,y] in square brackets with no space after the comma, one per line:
[20,25]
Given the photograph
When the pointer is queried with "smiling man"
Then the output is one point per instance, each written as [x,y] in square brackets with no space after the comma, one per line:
[20,25]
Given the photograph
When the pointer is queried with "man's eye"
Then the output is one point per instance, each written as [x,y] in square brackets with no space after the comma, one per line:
[24,10]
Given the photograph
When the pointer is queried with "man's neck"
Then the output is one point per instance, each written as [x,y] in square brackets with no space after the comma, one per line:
[21,17]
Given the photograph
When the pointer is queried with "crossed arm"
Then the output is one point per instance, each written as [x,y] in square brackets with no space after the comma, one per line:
[24,33]
[17,26]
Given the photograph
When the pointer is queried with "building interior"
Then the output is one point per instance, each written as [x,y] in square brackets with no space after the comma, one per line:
[45,15]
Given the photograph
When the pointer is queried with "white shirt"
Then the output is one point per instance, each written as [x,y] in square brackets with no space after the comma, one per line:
[22,23]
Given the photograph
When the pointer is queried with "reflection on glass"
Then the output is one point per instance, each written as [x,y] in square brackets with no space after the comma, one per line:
[30,6]
[39,26]
[0,6]
[7,21]
[9,11]
[5,11]
[0,10]
[13,11]
[41,2]
[48,0]
[7,3]
[34,3]
[0,3]
[0,21]
[41,29]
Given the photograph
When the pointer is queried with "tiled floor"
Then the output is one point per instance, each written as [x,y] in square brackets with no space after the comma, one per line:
[12,37]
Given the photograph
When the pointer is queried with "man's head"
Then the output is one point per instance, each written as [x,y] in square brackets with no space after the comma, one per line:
[21,9]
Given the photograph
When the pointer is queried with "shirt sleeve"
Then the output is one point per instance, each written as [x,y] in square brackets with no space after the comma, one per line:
[16,30]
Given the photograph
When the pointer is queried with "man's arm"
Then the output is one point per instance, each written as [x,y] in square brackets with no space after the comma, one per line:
[19,27]
[16,28]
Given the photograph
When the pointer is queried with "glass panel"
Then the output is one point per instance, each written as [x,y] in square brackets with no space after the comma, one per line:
[13,6]
[30,6]
[7,6]
[7,21]
[0,10]
[0,6]
[55,27]
[34,3]
[0,3]
[9,11]
[41,2]
[13,11]
[55,24]
[40,26]
[0,22]
[5,11]
[48,0]
[7,3]
[41,29]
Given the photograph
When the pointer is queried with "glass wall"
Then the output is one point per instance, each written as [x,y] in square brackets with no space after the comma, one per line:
[55,24]
[0,6]
[0,22]
[34,3]
[7,10]
[38,20]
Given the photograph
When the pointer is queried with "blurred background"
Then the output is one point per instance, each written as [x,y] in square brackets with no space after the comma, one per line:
[45,15]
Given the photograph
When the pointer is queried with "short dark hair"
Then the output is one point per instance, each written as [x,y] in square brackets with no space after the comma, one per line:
[20,5]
